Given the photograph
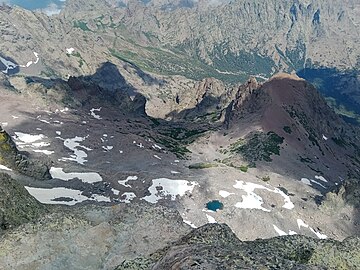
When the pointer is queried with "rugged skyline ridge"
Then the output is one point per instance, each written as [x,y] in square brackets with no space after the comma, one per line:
[229,42]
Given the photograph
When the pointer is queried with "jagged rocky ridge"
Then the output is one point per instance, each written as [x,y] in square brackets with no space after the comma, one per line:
[214,246]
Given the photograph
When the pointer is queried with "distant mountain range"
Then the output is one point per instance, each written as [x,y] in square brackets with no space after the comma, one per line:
[228,41]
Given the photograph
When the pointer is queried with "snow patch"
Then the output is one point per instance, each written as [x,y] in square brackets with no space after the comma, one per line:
[129,196]
[224,193]
[321,178]
[210,219]
[287,202]
[44,121]
[23,140]
[48,195]
[90,177]
[164,187]
[155,146]
[29,63]
[93,114]
[108,148]
[189,223]
[40,144]
[28,138]
[278,231]
[46,152]
[253,201]
[301,223]
[70,51]
[2,167]
[305,181]
[281,233]
[139,144]
[310,182]
[129,178]
[79,155]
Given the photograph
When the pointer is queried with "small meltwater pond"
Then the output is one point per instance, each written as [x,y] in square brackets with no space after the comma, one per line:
[214,205]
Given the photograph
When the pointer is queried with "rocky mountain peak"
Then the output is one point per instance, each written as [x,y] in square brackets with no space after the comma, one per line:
[288,111]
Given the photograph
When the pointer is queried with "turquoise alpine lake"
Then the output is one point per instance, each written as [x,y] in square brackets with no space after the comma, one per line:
[214,205]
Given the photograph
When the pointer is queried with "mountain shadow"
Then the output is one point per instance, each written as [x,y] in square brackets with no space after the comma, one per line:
[207,109]
[340,88]
[106,85]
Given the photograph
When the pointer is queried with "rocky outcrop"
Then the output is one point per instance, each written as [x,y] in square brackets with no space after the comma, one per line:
[244,92]
[215,246]
[90,237]
[12,158]
[207,100]
[16,204]
[348,193]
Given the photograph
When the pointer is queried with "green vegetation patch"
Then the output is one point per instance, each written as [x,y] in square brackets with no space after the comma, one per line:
[339,141]
[202,165]
[287,129]
[305,160]
[244,168]
[174,146]
[258,146]
[176,139]
[170,62]
[249,62]
[81,60]
[342,110]
[182,133]
[82,25]
[297,55]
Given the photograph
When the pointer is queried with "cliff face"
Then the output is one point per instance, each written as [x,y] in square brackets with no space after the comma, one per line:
[11,157]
